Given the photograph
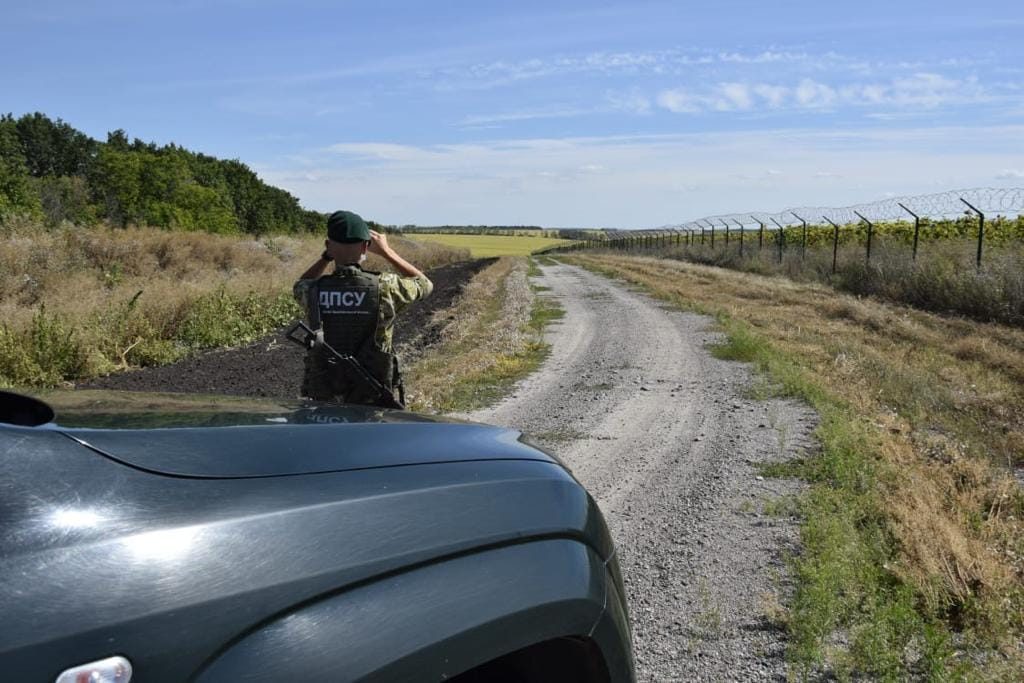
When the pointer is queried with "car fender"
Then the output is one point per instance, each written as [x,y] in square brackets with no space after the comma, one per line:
[431,622]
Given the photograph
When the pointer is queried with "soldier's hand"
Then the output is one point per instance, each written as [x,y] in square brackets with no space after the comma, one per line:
[378,243]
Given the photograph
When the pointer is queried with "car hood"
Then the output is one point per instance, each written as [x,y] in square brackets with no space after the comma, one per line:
[229,437]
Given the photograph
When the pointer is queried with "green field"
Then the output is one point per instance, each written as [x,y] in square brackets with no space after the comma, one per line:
[485,246]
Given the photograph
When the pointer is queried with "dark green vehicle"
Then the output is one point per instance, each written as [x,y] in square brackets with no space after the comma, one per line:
[150,538]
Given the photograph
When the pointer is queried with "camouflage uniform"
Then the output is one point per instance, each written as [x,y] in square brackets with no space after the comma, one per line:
[324,382]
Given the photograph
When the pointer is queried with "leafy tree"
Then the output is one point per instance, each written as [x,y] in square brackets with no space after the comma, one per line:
[115,182]
[53,148]
[65,198]
[48,167]
[16,193]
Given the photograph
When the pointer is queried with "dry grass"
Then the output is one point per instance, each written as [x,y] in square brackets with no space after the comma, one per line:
[942,279]
[938,408]
[142,296]
[491,340]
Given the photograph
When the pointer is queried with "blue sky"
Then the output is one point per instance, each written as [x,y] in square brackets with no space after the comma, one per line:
[614,114]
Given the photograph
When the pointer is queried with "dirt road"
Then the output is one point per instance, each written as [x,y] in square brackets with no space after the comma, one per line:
[666,439]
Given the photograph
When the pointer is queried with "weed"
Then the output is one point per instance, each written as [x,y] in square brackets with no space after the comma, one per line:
[532,269]
[709,618]
[782,506]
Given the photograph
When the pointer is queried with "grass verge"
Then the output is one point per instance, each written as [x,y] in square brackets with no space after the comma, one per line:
[80,302]
[913,527]
[942,278]
[494,338]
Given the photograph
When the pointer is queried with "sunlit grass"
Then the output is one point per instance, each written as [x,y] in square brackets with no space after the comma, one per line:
[487,246]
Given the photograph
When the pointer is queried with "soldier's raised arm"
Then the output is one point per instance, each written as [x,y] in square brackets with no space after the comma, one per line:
[379,245]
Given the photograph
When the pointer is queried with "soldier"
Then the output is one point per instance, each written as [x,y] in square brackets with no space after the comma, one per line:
[355,309]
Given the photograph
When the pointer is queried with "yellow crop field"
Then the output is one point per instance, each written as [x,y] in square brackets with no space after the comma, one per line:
[485,246]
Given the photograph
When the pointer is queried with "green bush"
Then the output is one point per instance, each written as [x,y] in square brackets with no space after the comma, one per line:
[45,354]
[222,319]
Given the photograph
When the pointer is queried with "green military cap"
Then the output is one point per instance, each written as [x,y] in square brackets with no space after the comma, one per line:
[345,226]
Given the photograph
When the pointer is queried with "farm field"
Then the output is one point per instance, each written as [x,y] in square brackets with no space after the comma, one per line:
[486,246]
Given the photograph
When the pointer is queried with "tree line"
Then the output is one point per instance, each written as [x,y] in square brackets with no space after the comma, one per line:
[52,171]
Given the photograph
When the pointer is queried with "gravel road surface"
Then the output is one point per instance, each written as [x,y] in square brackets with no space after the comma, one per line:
[667,440]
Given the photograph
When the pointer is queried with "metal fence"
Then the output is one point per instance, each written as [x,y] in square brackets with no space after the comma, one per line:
[979,203]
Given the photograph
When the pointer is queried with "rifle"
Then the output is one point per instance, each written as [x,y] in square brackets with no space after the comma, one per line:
[313,339]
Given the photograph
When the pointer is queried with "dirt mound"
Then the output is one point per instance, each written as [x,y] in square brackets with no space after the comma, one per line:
[273,366]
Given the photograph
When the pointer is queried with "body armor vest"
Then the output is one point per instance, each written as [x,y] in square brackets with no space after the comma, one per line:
[346,306]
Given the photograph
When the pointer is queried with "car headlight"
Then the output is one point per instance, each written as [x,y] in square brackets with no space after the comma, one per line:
[109,670]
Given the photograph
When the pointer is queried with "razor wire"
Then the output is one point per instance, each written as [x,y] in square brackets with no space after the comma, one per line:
[953,203]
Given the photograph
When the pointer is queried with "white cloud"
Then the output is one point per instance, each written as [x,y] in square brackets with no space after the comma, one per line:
[813,94]
[733,96]
[679,101]
[632,102]
[525,115]
[499,73]
[1010,174]
[917,92]
[633,181]
[773,95]
[381,151]
[762,58]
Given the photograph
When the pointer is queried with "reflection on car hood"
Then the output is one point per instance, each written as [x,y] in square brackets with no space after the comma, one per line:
[227,437]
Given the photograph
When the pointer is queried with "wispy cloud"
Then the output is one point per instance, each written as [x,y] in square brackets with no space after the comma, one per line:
[524,115]
[919,90]
[633,101]
[643,62]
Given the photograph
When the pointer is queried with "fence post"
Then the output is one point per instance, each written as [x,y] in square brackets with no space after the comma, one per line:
[782,237]
[712,234]
[726,232]
[871,229]
[741,234]
[835,243]
[981,228]
[917,227]
[702,229]
[803,238]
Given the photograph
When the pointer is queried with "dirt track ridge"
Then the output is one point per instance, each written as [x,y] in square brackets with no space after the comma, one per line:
[667,440]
